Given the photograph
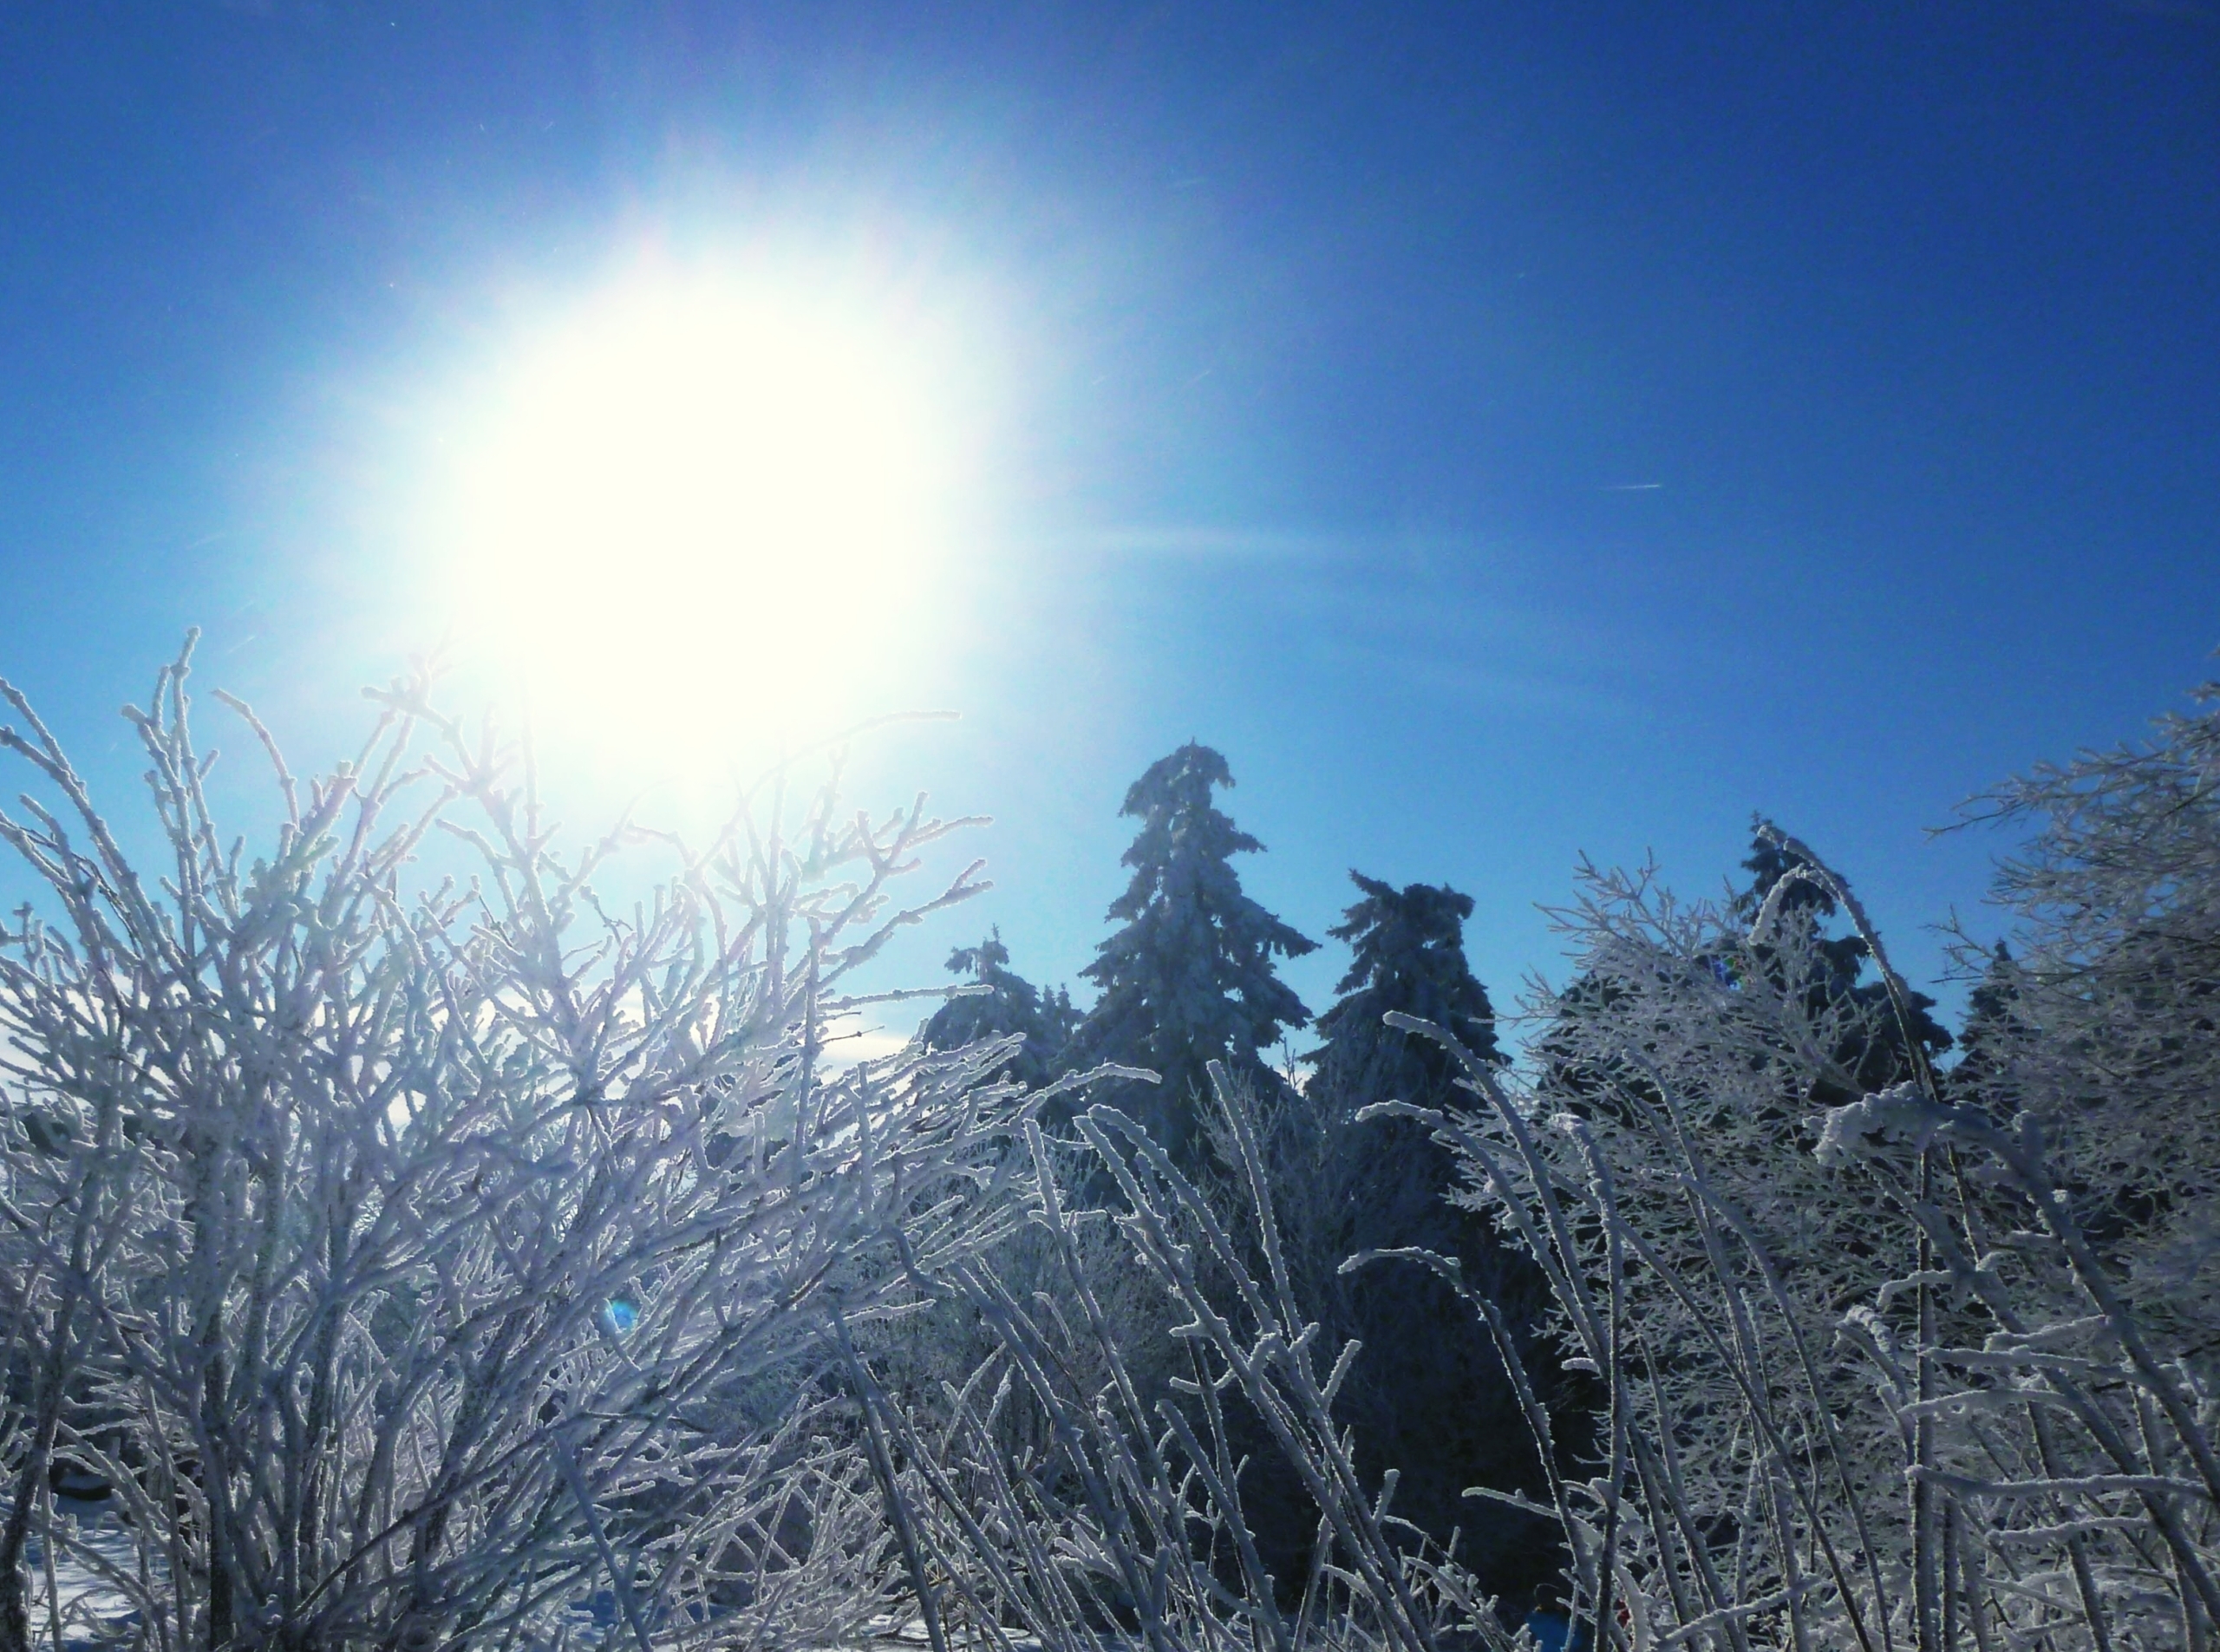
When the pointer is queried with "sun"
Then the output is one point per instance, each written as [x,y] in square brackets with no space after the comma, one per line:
[700,513]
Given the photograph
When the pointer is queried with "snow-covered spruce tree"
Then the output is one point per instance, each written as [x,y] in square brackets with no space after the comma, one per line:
[1835,968]
[1428,1394]
[1003,1003]
[1992,1027]
[412,1260]
[1408,955]
[1189,979]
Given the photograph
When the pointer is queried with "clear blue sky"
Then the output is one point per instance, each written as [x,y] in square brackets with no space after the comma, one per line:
[1505,431]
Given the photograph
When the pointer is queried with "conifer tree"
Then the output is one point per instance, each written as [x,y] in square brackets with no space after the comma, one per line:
[1409,948]
[1189,979]
[1827,972]
[1874,1054]
[1995,1023]
[1429,1393]
[1009,1004]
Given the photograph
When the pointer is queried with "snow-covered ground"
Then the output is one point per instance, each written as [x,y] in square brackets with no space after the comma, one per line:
[96,1616]
[94,1612]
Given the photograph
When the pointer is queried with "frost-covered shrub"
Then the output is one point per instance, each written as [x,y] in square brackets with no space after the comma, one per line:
[1134,1512]
[2101,1017]
[1426,1400]
[1874,1376]
[409,1262]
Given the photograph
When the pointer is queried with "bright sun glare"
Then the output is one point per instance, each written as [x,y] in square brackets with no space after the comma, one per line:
[703,512]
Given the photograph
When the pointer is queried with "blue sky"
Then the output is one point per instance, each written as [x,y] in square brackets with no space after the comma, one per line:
[1506,432]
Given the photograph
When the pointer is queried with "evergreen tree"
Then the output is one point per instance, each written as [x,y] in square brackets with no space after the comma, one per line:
[1409,948]
[1189,979]
[1828,972]
[1875,1056]
[1428,1394]
[1994,1026]
[1010,1004]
